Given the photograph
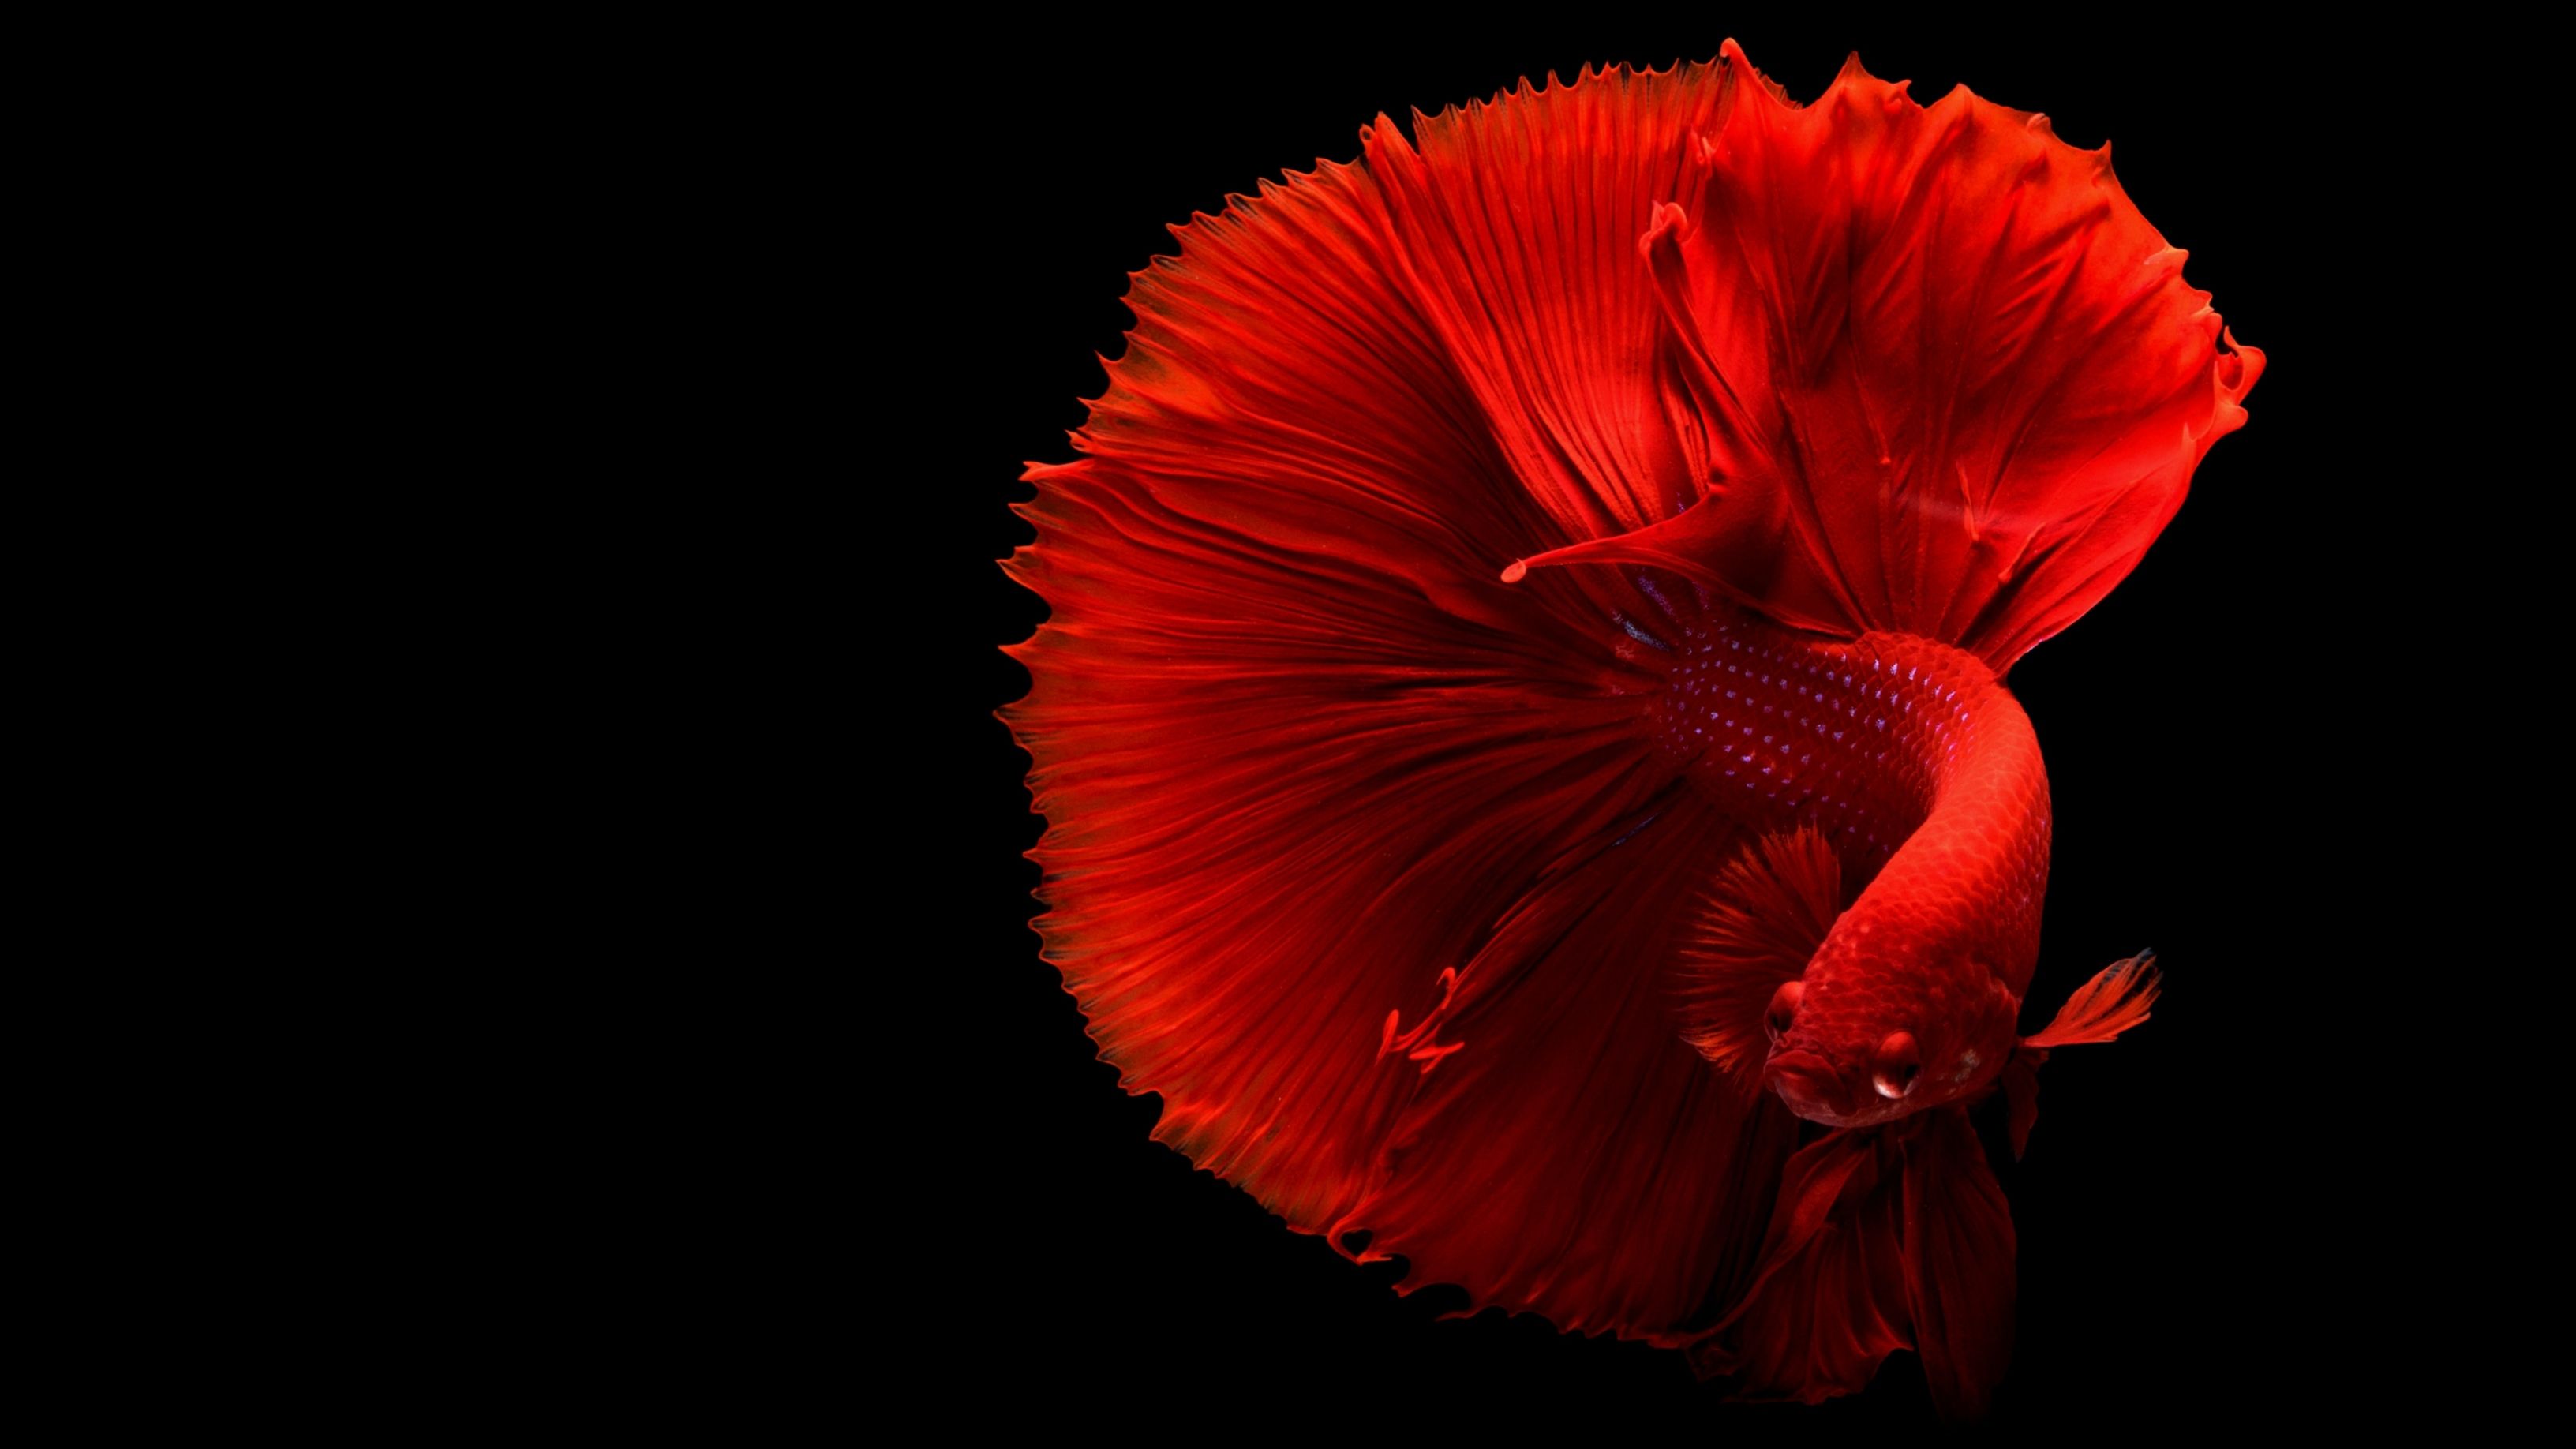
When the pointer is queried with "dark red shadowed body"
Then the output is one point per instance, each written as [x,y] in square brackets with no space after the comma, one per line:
[1521,721]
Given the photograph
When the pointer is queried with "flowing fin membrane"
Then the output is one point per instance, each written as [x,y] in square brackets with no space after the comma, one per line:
[1882,1239]
[2102,1008]
[1358,856]
[2116,999]
[1946,380]
[1306,764]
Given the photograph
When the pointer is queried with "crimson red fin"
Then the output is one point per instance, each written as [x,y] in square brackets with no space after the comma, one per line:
[1761,922]
[1881,1239]
[1958,1264]
[1514,226]
[1828,1303]
[1575,1159]
[2115,1000]
[1962,410]
[1298,753]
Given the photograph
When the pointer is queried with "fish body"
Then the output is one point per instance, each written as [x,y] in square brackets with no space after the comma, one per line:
[1920,771]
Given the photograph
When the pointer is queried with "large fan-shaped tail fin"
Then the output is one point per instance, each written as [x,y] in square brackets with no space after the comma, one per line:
[1944,377]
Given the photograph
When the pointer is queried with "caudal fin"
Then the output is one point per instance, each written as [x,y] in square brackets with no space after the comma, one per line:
[1964,419]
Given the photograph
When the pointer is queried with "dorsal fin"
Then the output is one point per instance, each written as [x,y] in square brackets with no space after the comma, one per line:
[1763,918]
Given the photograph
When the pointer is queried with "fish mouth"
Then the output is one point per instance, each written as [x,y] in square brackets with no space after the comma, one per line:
[1811,1086]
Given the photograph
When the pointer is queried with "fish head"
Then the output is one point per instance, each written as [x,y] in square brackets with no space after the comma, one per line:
[1857,1041]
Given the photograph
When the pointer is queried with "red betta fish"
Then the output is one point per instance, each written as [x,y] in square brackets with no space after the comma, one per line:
[1522,722]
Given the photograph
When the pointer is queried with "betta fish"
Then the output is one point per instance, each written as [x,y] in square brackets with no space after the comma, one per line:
[1522,721]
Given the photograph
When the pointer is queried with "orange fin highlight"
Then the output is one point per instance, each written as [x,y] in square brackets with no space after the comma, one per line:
[1764,917]
[2102,1008]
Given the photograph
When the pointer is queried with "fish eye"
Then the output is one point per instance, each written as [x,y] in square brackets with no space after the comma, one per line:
[1895,1066]
[1784,1008]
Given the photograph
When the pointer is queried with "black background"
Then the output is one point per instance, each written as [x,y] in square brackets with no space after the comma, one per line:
[2190,1240]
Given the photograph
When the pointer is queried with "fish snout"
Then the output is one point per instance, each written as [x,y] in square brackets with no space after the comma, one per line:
[1810,1085]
